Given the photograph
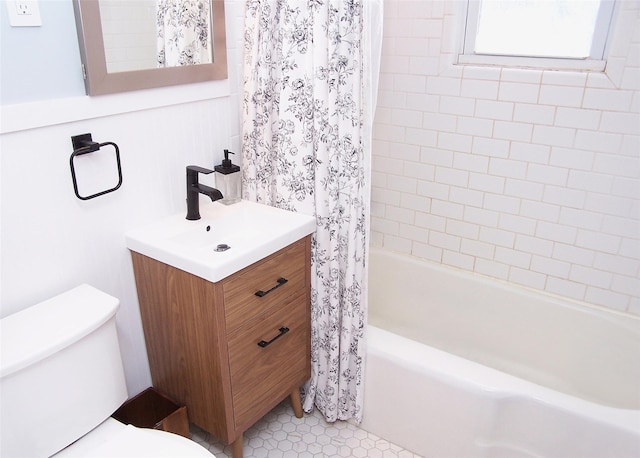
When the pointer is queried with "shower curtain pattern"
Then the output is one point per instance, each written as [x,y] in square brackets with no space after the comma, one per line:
[303,151]
[184,32]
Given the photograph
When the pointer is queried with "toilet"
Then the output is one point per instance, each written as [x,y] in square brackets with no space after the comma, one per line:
[61,377]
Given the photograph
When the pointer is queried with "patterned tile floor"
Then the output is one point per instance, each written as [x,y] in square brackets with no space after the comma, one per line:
[281,435]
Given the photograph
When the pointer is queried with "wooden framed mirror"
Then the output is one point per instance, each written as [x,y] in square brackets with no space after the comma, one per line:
[102,78]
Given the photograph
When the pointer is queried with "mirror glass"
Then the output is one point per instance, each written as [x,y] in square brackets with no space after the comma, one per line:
[138,44]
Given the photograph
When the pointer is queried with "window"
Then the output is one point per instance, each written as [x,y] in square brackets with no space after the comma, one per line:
[537,33]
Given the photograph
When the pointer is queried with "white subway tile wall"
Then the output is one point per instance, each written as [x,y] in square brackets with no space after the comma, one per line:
[524,175]
[129,33]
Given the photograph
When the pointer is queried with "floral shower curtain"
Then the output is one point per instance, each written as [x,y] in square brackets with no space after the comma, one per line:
[184,32]
[308,108]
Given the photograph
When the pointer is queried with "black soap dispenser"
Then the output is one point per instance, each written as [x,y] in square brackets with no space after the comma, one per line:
[228,180]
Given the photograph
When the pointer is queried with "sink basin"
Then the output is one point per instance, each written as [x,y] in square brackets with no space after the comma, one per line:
[225,240]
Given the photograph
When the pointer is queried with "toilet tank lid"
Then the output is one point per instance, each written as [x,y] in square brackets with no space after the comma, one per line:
[37,332]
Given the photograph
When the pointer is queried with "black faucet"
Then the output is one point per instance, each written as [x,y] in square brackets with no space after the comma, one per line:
[194,188]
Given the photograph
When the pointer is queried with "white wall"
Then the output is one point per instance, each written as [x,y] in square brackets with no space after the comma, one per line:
[52,241]
[43,62]
[523,175]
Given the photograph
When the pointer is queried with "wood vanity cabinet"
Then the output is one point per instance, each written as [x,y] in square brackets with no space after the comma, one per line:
[231,350]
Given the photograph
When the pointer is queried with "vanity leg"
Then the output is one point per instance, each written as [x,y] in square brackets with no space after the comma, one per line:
[236,447]
[296,402]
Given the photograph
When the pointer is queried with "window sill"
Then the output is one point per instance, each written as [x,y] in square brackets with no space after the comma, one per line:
[540,63]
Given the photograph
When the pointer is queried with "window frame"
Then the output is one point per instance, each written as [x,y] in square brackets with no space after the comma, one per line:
[595,62]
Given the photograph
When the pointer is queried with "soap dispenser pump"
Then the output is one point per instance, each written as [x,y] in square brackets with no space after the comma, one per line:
[228,180]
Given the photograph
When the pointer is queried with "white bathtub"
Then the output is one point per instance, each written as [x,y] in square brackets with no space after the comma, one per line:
[459,365]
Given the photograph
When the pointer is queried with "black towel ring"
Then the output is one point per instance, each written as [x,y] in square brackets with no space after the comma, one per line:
[83,144]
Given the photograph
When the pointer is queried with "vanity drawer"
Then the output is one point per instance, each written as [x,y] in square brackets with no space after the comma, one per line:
[269,358]
[274,280]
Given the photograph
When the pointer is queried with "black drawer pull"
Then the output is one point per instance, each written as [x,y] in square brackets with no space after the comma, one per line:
[281,281]
[283,330]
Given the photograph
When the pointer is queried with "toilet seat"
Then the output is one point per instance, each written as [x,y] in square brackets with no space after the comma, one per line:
[112,439]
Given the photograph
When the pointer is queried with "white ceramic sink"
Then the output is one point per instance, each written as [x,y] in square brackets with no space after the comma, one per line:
[251,231]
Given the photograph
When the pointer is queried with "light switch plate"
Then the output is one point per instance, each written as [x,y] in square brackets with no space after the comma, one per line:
[23,13]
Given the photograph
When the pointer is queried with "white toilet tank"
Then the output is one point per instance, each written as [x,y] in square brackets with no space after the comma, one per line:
[60,372]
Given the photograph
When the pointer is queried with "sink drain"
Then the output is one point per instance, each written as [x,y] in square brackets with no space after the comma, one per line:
[222,247]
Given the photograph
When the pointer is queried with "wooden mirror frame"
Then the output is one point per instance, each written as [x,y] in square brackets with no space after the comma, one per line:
[99,81]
